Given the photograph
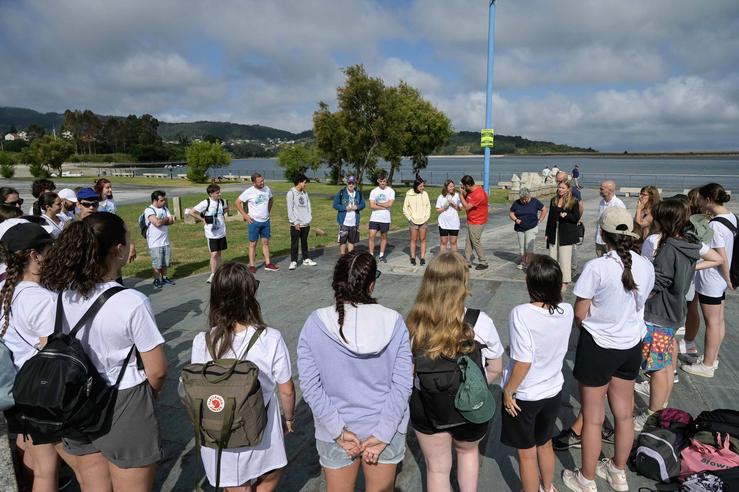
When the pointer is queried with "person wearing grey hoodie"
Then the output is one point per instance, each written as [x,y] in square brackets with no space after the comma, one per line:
[356,374]
[299,215]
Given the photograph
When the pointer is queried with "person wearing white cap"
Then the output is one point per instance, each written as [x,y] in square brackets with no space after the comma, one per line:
[611,294]
[69,202]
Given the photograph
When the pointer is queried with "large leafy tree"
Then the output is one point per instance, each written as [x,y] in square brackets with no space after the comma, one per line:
[375,121]
[297,159]
[46,155]
[201,156]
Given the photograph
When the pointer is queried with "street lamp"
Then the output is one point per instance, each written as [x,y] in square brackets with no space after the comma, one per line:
[487,133]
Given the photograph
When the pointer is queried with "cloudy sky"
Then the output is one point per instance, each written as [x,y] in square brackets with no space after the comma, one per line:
[611,74]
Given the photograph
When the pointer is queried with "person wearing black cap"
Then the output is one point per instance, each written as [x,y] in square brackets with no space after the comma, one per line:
[28,313]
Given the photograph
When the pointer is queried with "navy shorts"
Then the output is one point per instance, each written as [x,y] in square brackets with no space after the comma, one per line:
[379,226]
[259,229]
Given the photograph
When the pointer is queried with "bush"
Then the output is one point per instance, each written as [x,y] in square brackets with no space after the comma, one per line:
[201,156]
[297,159]
[38,170]
[7,165]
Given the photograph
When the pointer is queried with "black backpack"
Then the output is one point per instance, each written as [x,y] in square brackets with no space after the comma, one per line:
[734,267]
[439,380]
[59,391]
[710,422]
[658,454]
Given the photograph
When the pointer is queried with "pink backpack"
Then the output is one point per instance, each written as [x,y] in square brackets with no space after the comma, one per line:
[699,457]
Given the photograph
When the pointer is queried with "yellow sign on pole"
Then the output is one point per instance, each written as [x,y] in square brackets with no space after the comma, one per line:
[486,137]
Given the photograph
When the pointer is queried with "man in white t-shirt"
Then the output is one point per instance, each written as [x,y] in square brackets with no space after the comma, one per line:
[258,200]
[212,211]
[608,200]
[380,199]
[545,173]
[158,219]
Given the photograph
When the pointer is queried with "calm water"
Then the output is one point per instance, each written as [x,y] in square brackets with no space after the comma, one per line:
[670,173]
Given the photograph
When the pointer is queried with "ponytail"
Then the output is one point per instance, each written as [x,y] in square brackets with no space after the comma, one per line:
[623,245]
[15,263]
[353,274]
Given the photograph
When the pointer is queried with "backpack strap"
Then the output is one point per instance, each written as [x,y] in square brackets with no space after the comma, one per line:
[236,361]
[470,316]
[727,223]
[89,314]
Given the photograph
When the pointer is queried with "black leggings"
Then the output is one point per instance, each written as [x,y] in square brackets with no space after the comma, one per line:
[301,235]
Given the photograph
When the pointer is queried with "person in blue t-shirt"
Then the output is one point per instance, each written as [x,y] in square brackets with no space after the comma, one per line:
[526,212]
[576,176]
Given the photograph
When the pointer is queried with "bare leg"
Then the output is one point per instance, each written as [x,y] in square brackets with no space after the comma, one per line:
[252,252]
[132,479]
[379,477]
[454,243]
[437,451]
[444,240]
[215,261]
[342,479]
[422,234]
[349,247]
[715,331]
[383,242]
[371,242]
[529,469]
[265,250]
[660,386]
[621,401]
[93,468]
[269,481]
[468,465]
[45,466]
[693,321]
[414,238]
[545,453]
[594,413]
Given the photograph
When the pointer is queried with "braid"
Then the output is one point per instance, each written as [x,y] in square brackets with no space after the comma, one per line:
[15,263]
[623,245]
[353,274]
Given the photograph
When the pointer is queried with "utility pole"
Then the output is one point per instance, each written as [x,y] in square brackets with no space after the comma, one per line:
[489,98]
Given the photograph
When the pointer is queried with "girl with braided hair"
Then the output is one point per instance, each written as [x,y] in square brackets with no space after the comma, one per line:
[28,313]
[611,294]
[355,366]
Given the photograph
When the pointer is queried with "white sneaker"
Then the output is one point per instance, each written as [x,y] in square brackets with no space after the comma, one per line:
[574,480]
[715,363]
[309,262]
[699,369]
[616,478]
[680,332]
[210,279]
[684,347]
[641,420]
[293,265]
[642,388]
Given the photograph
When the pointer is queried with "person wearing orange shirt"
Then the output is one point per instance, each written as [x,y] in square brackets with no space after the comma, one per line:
[475,202]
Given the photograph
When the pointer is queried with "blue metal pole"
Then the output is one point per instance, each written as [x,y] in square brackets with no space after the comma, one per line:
[489,92]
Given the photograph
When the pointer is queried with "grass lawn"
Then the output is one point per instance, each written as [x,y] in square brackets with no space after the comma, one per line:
[189,249]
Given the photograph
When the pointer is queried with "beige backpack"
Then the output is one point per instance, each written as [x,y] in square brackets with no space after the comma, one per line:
[224,400]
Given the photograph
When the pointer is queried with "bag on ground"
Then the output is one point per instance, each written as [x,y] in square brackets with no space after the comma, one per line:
[224,400]
[658,454]
[699,457]
[724,421]
[59,390]
[440,381]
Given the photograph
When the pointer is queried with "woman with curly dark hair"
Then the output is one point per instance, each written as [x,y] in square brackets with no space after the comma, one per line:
[355,366]
[83,264]
[235,318]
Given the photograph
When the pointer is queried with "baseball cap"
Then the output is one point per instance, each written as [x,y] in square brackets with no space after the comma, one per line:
[67,194]
[7,224]
[616,220]
[24,236]
[351,179]
[88,194]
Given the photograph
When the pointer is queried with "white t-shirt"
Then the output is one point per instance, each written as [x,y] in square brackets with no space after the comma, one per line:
[157,236]
[33,316]
[616,318]
[652,241]
[380,196]
[449,218]
[271,356]
[350,219]
[615,202]
[54,228]
[108,205]
[257,201]
[541,339]
[125,320]
[709,281]
[486,334]
[217,229]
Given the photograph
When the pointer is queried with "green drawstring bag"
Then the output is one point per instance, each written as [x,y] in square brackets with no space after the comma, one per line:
[473,401]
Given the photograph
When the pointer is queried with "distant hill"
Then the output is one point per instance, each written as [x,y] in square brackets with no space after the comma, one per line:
[463,142]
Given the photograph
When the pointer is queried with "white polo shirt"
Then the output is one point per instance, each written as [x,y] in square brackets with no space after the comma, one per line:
[615,202]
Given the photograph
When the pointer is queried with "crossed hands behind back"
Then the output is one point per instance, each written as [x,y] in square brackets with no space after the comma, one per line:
[369,449]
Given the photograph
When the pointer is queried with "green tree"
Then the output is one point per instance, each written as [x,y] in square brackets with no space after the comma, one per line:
[330,135]
[297,159]
[46,155]
[7,165]
[203,155]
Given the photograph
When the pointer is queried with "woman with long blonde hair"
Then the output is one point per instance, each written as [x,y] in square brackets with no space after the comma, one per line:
[648,199]
[442,330]
[561,233]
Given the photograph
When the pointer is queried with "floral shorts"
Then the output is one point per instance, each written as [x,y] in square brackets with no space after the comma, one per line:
[656,347]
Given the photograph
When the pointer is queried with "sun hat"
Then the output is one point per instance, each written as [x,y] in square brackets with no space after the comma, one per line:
[20,237]
[88,194]
[67,194]
[617,220]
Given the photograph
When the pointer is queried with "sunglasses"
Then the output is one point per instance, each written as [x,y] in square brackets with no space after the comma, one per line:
[89,204]
[16,203]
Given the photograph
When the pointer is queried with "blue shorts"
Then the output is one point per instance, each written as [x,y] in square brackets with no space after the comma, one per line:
[259,229]
[333,456]
[161,256]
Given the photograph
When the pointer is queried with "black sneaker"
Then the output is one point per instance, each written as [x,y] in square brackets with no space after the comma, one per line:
[481,267]
[413,261]
[566,439]
[383,259]
[423,261]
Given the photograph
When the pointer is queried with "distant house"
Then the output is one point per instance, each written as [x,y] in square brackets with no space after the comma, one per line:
[22,135]
[11,137]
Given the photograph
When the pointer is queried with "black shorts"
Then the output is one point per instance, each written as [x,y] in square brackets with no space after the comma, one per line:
[448,232]
[379,226]
[15,426]
[348,234]
[712,301]
[219,244]
[534,424]
[595,365]
[421,423]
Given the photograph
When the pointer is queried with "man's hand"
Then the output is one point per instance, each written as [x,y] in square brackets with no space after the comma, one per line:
[247,218]
[132,253]
[297,226]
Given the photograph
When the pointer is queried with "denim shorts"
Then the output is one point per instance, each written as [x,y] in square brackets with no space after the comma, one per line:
[333,456]
[259,229]
[161,256]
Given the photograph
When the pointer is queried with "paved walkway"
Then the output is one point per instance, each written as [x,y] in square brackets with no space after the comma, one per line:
[288,297]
